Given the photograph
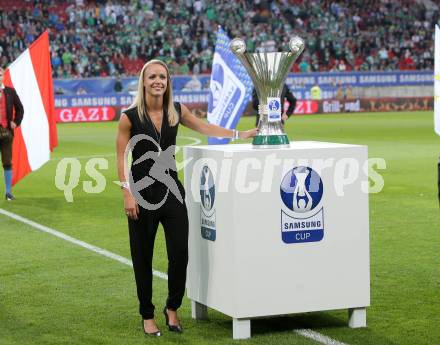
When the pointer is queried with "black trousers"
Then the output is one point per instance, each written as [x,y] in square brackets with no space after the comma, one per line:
[6,148]
[173,216]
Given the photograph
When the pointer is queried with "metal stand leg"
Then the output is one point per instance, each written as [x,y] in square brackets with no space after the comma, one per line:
[199,311]
[357,317]
[241,328]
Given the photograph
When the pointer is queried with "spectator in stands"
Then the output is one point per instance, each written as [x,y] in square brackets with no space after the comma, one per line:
[304,66]
[349,31]
[56,61]
[341,66]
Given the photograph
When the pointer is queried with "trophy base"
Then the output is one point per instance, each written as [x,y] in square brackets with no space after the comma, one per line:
[270,141]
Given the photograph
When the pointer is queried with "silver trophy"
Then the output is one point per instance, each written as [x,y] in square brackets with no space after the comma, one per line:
[268,71]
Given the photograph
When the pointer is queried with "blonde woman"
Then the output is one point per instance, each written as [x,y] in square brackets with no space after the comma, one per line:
[155,118]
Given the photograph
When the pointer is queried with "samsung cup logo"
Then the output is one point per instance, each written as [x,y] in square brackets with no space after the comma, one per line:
[302,213]
[274,109]
[207,201]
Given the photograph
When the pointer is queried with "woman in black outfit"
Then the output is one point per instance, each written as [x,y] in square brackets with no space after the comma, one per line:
[152,192]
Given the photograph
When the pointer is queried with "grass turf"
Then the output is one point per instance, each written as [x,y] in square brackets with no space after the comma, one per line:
[53,292]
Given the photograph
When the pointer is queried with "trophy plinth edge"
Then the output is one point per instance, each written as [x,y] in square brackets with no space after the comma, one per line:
[271,141]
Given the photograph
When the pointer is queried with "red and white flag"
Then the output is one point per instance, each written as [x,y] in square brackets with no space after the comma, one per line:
[31,76]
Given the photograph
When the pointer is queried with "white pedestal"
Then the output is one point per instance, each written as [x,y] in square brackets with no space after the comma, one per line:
[241,328]
[357,317]
[271,244]
[199,311]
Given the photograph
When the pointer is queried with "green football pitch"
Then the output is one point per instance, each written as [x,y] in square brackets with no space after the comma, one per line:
[55,292]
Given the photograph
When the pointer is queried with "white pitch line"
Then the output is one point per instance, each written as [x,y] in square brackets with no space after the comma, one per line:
[308,333]
[73,240]
[196,141]
[81,157]
[318,337]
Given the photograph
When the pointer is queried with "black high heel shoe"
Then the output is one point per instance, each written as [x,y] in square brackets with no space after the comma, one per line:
[152,334]
[172,328]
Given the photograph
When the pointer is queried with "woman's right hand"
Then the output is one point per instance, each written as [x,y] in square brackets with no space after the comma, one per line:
[248,134]
[130,206]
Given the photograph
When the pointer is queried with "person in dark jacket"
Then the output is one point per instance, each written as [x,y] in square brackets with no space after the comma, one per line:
[11,115]
[285,94]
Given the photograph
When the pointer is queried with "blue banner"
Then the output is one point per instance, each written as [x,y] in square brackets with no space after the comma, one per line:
[360,79]
[99,86]
[230,88]
[195,89]
[124,99]
[301,82]
[186,97]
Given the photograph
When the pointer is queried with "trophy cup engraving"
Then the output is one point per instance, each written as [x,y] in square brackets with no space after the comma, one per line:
[268,72]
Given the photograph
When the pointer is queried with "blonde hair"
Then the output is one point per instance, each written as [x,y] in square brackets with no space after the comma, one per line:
[140,101]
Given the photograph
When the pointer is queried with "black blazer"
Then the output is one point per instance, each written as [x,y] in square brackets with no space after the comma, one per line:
[13,102]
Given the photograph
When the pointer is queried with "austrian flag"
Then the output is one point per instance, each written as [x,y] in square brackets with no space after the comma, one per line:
[31,76]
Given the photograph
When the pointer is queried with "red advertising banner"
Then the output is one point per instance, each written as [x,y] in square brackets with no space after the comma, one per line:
[85,114]
[306,107]
[303,107]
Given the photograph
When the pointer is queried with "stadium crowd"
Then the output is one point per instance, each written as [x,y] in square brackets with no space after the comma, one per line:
[110,38]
